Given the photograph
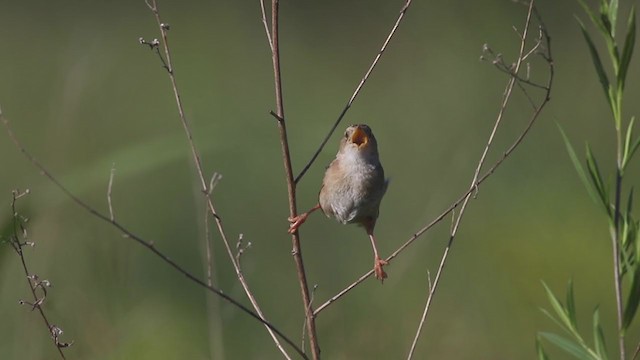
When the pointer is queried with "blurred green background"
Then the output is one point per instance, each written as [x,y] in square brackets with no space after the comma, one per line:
[82,94]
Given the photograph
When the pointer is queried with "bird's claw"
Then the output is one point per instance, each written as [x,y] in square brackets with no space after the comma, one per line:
[296,222]
[378,269]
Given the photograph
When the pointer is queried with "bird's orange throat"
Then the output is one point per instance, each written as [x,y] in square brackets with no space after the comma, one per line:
[359,137]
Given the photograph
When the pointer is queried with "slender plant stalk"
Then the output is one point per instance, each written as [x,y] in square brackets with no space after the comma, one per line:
[291,185]
[148,244]
[615,248]
[505,101]
[403,11]
[615,235]
[196,159]
[18,246]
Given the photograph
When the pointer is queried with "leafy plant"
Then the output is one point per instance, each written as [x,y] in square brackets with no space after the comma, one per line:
[625,237]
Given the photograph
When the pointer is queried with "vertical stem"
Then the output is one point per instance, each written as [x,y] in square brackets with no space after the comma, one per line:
[615,238]
[291,186]
[615,242]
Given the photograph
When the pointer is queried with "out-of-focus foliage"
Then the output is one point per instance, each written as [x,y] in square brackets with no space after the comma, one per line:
[611,196]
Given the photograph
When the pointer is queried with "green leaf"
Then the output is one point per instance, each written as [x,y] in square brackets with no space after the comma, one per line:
[630,203]
[627,142]
[633,301]
[598,335]
[559,309]
[633,149]
[629,233]
[596,179]
[612,12]
[571,307]
[627,50]
[578,166]
[604,18]
[556,321]
[594,19]
[637,242]
[542,355]
[595,58]
[567,345]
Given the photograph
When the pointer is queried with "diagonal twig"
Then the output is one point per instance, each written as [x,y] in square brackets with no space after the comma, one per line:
[403,11]
[150,245]
[505,101]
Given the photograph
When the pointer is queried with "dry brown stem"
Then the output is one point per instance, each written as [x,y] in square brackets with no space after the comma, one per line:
[18,241]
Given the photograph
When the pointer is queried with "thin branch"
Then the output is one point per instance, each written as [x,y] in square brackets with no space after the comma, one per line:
[304,323]
[534,116]
[422,320]
[403,11]
[18,241]
[615,247]
[291,186]
[215,178]
[109,188]
[636,353]
[150,245]
[164,28]
[266,25]
[207,245]
[474,182]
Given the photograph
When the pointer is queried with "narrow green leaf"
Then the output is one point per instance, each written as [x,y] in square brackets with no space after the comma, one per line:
[596,179]
[598,335]
[630,202]
[626,250]
[627,142]
[627,50]
[542,355]
[633,301]
[594,18]
[595,58]
[613,15]
[567,345]
[560,310]
[570,305]
[637,243]
[608,20]
[556,321]
[633,149]
[629,232]
[578,166]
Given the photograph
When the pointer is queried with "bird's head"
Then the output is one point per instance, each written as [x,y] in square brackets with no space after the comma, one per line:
[359,140]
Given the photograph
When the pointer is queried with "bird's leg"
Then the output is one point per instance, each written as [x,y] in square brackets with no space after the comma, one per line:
[300,219]
[378,262]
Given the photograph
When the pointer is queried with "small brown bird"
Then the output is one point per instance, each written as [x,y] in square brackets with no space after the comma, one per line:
[353,187]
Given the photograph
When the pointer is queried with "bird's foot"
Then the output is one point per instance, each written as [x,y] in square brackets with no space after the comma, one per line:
[378,263]
[296,222]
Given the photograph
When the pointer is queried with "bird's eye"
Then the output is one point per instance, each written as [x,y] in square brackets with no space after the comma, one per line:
[346,135]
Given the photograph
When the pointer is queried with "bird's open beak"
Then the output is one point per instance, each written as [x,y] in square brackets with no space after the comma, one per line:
[359,137]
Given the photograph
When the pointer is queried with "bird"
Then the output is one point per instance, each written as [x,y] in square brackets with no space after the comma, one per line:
[353,187]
